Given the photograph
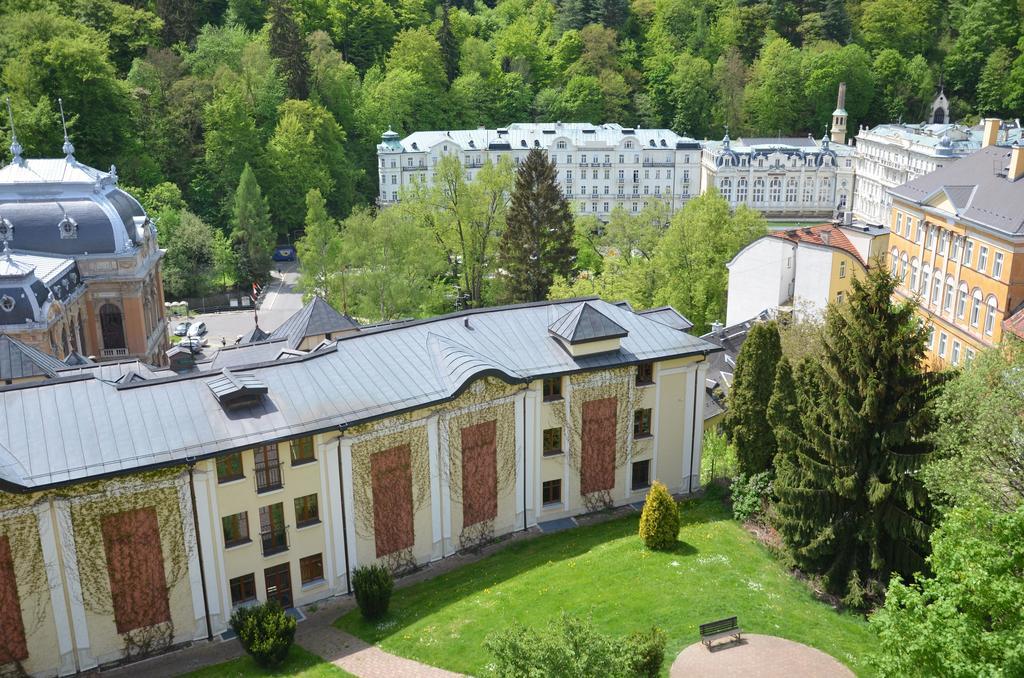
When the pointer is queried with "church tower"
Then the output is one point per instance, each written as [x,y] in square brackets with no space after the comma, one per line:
[940,108]
[839,117]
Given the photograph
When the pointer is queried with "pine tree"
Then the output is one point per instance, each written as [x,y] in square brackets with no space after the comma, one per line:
[746,423]
[537,242]
[449,45]
[289,47]
[319,253]
[837,21]
[850,507]
[251,231]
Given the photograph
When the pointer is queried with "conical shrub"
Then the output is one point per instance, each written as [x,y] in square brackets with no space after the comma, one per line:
[659,522]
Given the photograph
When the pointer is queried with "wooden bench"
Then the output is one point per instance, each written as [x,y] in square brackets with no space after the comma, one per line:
[723,628]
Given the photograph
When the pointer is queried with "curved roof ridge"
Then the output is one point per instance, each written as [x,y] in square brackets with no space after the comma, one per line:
[456,363]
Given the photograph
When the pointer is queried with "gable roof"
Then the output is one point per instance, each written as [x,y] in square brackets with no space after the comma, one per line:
[666,315]
[824,235]
[315,318]
[19,361]
[978,189]
[585,323]
[107,429]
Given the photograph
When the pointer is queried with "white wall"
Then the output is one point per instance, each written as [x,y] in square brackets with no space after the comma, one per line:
[759,278]
[814,275]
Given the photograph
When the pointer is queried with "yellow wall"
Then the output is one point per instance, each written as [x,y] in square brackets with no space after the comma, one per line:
[845,268]
[1007,288]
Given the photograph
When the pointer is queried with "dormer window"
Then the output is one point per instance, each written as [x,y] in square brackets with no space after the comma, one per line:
[68,228]
[7,303]
[6,229]
[236,390]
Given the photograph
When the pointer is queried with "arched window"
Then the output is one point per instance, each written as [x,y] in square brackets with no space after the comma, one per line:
[725,186]
[990,316]
[926,276]
[961,301]
[895,261]
[775,190]
[975,307]
[937,288]
[808,190]
[111,326]
[913,274]
[758,190]
[903,269]
[741,190]
[947,301]
[791,188]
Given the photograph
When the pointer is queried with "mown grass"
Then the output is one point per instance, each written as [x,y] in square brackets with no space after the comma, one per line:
[300,663]
[604,572]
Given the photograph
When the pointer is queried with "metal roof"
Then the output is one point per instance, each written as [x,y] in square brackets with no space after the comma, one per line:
[585,323]
[525,135]
[978,189]
[315,318]
[66,430]
[19,361]
[666,315]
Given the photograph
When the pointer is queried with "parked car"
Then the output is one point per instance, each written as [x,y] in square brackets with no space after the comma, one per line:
[284,253]
[197,330]
[181,329]
[193,343]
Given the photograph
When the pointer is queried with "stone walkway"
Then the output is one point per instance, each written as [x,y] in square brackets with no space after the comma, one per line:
[757,656]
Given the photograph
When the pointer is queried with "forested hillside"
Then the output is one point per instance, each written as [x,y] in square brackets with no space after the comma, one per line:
[190,91]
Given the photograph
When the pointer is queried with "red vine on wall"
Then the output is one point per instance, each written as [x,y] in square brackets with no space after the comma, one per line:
[135,563]
[12,631]
[391,474]
[597,472]
[479,473]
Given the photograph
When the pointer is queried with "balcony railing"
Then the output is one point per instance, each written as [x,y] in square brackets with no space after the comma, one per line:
[114,352]
[268,477]
[274,541]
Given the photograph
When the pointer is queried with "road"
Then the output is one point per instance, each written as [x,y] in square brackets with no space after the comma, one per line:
[280,302]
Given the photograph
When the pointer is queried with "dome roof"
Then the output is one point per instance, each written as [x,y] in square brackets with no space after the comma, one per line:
[30,283]
[60,206]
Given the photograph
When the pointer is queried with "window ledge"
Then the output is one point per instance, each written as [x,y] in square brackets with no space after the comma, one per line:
[237,544]
[270,490]
[316,583]
[645,436]
[641,488]
[234,480]
[553,453]
[553,399]
[552,505]
[641,384]
[308,523]
[303,462]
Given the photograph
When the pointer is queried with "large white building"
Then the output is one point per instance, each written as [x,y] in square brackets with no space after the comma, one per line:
[891,155]
[792,178]
[600,167]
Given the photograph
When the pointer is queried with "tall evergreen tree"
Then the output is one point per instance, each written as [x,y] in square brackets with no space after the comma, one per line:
[537,242]
[319,253]
[746,424]
[449,45]
[289,47]
[251,231]
[850,507]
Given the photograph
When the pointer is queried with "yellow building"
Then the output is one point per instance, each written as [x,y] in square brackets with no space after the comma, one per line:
[957,246]
[401,444]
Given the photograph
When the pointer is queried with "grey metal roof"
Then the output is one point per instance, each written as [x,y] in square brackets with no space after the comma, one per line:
[35,226]
[230,386]
[19,361]
[67,430]
[253,335]
[315,318]
[585,323]
[243,354]
[977,187]
[667,315]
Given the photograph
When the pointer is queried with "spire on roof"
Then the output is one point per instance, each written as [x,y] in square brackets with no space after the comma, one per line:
[68,147]
[15,146]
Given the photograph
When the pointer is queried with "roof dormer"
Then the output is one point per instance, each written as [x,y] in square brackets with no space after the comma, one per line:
[585,331]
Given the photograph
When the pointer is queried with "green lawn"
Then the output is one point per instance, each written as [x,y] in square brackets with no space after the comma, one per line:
[300,663]
[605,573]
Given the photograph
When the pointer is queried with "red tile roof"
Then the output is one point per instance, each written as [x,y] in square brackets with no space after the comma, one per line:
[1015,323]
[827,235]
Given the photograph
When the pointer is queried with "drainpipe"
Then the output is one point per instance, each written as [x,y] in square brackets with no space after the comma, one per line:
[55,522]
[344,522]
[199,549]
[525,477]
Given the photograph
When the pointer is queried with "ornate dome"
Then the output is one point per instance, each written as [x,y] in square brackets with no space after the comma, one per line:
[60,206]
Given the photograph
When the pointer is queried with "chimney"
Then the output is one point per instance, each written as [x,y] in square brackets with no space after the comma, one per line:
[716,329]
[991,134]
[1016,170]
[825,235]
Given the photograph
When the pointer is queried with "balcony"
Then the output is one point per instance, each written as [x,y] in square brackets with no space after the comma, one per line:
[274,541]
[113,352]
[656,163]
[268,477]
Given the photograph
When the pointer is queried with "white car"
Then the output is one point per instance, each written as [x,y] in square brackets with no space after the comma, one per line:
[194,344]
[197,330]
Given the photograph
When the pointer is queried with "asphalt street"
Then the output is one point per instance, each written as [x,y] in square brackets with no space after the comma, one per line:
[280,302]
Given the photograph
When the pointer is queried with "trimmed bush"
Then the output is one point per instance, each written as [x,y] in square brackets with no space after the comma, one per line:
[645,652]
[373,585]
[265,631]
[659,522]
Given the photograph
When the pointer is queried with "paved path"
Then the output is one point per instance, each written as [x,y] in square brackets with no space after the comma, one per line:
[757,656]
